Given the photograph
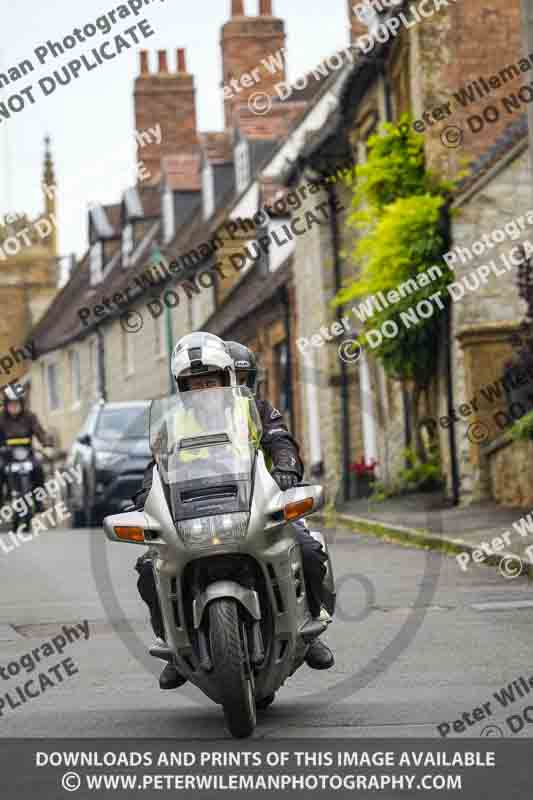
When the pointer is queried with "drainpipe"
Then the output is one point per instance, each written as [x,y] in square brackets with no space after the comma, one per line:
[170,347]
[447,326]
[447,329]
[335,239]
[288,367]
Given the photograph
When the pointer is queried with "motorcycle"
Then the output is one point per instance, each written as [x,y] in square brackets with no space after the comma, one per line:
[17,455]
[227,565]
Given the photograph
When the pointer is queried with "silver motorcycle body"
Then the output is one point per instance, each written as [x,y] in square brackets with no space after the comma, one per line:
[227,565]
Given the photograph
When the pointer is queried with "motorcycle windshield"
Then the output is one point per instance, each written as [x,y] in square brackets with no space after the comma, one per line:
[205,444]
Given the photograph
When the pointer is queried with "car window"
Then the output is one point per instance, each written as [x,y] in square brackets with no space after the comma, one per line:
[123,423]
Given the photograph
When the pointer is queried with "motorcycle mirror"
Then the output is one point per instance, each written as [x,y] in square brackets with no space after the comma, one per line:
[85,439]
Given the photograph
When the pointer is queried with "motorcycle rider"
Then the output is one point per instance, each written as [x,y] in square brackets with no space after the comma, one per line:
[18,423]
[214,368]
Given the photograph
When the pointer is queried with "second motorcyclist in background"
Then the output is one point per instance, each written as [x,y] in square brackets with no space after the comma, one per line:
[16,422]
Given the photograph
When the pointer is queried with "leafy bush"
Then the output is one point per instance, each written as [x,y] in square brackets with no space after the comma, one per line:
[522,430]
[421,476]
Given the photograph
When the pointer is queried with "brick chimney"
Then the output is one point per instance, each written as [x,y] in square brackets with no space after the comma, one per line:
[167,99]
[245,41]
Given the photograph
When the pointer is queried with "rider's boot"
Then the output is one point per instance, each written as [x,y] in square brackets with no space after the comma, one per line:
[319,656]
[170,678]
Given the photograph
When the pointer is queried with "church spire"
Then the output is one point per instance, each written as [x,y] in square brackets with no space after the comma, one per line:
[50,189]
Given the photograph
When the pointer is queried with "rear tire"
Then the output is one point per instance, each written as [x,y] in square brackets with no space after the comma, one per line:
[230,660]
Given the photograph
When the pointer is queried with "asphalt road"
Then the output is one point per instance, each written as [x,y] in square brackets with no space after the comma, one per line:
[417,643]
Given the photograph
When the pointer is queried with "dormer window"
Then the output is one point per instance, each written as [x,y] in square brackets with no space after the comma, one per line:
[127,245]
[96,262]
[242,166]
[369,17]
[208,192]
[169,220]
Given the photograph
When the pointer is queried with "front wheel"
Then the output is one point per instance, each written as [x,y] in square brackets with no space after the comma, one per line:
[229,653]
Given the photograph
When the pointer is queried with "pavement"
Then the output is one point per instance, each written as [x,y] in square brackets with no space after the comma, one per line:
[430,521]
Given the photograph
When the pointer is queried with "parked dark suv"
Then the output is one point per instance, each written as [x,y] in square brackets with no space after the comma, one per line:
[113,450]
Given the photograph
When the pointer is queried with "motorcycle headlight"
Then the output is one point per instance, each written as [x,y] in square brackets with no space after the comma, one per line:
[213,531]
[20,453]
[107,460]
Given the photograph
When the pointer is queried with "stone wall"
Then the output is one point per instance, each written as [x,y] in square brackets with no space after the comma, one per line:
[485,319]
[66,421]
[510,473]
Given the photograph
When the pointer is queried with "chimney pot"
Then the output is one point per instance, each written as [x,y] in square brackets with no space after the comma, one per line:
[162,61]
[182,66]
[265,8]
[237,8]
[144,62]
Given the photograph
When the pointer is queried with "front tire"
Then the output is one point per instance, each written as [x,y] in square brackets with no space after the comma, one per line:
[231,667]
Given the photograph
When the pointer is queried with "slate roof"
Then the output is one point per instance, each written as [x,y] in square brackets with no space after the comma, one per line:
[516,132]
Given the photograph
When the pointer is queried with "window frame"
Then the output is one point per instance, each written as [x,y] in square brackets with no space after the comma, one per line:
[128,353]
[242,165]
[54,366]
[169,215]
[74,357]
[208,190]
[96,262]
[127,244]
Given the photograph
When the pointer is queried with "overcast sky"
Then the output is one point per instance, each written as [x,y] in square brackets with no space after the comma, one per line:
[91,120]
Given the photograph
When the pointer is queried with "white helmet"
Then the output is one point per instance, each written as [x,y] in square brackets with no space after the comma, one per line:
[200,354]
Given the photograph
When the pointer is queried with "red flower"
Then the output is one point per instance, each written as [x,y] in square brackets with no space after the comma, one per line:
[363,468]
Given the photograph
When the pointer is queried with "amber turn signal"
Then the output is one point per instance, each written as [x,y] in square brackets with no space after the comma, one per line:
[129,533]
[295,510]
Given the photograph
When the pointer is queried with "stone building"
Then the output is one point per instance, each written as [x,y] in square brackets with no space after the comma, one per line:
[195,244]
[363,414]
[29,272]
[162,257]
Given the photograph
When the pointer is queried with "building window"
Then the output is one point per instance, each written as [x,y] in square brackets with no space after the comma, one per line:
[94,361]
[242,166]
[127,245]
[53,384]
[160,338]
[128,353]
[75,377]
[208,191]
[169,222]
[96,258]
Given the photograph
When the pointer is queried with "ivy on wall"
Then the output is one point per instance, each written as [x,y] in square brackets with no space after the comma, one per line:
[398,208]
